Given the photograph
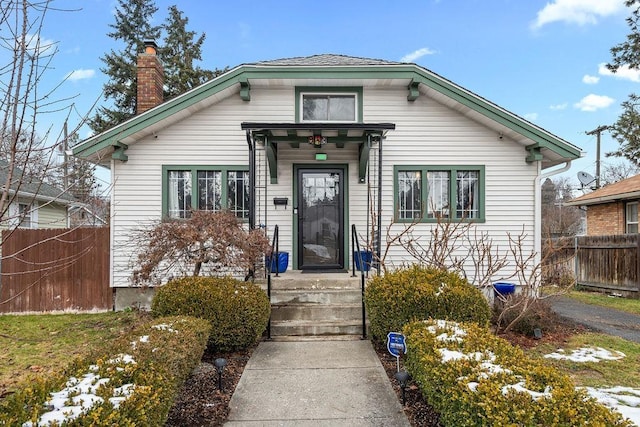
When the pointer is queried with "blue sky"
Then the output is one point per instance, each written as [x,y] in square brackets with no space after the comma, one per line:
[540,59]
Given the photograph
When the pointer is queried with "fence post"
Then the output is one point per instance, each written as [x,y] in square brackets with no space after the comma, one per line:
[637,281]
[575,258]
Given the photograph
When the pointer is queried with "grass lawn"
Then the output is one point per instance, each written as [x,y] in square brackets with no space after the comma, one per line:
[605,373]
[624,304]
[622,372]
[41,343]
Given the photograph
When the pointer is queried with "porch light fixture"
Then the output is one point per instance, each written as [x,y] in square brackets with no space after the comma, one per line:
[403,378]
[317,140]
[220,363]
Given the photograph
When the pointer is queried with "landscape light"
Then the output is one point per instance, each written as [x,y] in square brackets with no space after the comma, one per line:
[220,363]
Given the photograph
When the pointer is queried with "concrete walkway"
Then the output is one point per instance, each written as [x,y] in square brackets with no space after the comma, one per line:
[315,383]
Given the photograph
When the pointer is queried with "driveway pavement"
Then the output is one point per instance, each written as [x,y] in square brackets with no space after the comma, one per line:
[601,319]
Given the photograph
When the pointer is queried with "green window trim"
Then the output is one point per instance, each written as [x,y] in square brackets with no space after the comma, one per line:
[328,90]
[453,169]
[194,183]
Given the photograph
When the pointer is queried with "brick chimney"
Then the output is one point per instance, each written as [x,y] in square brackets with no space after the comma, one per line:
[150,78]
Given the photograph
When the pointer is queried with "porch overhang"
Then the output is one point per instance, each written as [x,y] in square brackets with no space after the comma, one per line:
[294,134]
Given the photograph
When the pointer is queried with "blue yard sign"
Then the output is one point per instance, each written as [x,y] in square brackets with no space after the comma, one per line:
[396,344]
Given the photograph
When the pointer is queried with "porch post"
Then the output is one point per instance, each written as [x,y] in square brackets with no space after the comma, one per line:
[252,181]
[379,225]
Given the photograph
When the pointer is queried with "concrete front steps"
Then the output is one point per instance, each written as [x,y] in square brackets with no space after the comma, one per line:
[315,304]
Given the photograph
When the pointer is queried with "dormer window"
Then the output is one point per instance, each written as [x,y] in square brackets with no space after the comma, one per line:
[328,107]
[322,104]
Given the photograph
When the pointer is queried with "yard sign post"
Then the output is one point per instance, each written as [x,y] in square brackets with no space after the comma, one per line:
[397,346]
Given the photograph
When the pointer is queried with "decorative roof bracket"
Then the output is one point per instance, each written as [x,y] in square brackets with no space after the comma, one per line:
[535,154]
[363,157]
[271,150]
[414,91]
[119,149]
[245,90]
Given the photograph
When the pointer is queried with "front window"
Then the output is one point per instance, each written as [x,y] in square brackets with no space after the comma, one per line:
[328,107]
[179,203]
[238,193]
[451,193]
[206,188]
[410,194]
[632,217]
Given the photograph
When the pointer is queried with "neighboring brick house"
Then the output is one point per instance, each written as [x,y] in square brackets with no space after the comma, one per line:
[612,209]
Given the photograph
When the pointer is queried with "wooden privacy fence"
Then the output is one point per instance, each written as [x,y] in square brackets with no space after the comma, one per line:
[608,263]
[53,270]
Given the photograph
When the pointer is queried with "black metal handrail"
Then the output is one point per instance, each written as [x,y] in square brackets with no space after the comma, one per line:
[355,246]
[273,252]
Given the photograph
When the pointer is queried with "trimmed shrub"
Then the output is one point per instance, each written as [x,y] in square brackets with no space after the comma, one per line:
[135,383]
[238,311]
[418,293]
[473,378]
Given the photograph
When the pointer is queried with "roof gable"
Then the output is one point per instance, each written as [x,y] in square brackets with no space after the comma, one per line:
[542,144]
[622,190]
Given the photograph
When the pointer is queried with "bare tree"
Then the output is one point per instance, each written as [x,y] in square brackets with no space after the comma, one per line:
[215,240]
[29,156]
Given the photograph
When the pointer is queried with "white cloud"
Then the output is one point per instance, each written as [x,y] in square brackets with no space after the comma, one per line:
[558,107]
[411,57]
[593,102]
[590,80]
[579,12]
[532,117]
[80,74]
[623,73]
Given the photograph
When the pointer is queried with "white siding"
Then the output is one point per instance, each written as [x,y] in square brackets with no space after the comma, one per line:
[427,133]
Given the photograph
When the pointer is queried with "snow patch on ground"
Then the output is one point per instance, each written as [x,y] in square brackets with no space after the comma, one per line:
[586,354]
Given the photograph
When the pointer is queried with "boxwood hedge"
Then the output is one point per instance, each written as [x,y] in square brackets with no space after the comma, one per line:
[473,378]
[418,293]
[133,383]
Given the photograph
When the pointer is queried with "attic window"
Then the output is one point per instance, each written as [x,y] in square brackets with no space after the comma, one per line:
[318,107]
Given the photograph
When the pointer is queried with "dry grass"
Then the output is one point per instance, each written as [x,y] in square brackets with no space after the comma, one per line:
[41,343]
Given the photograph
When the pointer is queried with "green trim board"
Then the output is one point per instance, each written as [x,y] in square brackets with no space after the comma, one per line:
[412,73]
[194,182]
[452,169]
[345,213]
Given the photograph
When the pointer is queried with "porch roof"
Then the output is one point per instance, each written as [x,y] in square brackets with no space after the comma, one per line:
[317,134]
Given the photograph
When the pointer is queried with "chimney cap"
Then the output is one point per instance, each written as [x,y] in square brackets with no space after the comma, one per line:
[150,47]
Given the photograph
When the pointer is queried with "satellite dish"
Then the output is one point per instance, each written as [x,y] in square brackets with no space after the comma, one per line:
[585,178]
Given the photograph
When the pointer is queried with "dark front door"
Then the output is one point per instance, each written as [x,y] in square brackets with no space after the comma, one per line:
[320,219]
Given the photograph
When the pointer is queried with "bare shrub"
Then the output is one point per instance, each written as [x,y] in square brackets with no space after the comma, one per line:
[215,239]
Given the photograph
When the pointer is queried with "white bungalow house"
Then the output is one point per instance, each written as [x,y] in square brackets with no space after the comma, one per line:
[317,145]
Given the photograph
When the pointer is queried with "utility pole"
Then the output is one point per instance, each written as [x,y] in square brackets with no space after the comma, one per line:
[597,131]
[65,147]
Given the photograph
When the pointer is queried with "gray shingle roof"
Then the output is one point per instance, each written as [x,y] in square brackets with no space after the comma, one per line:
[325,60]
[31,186]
